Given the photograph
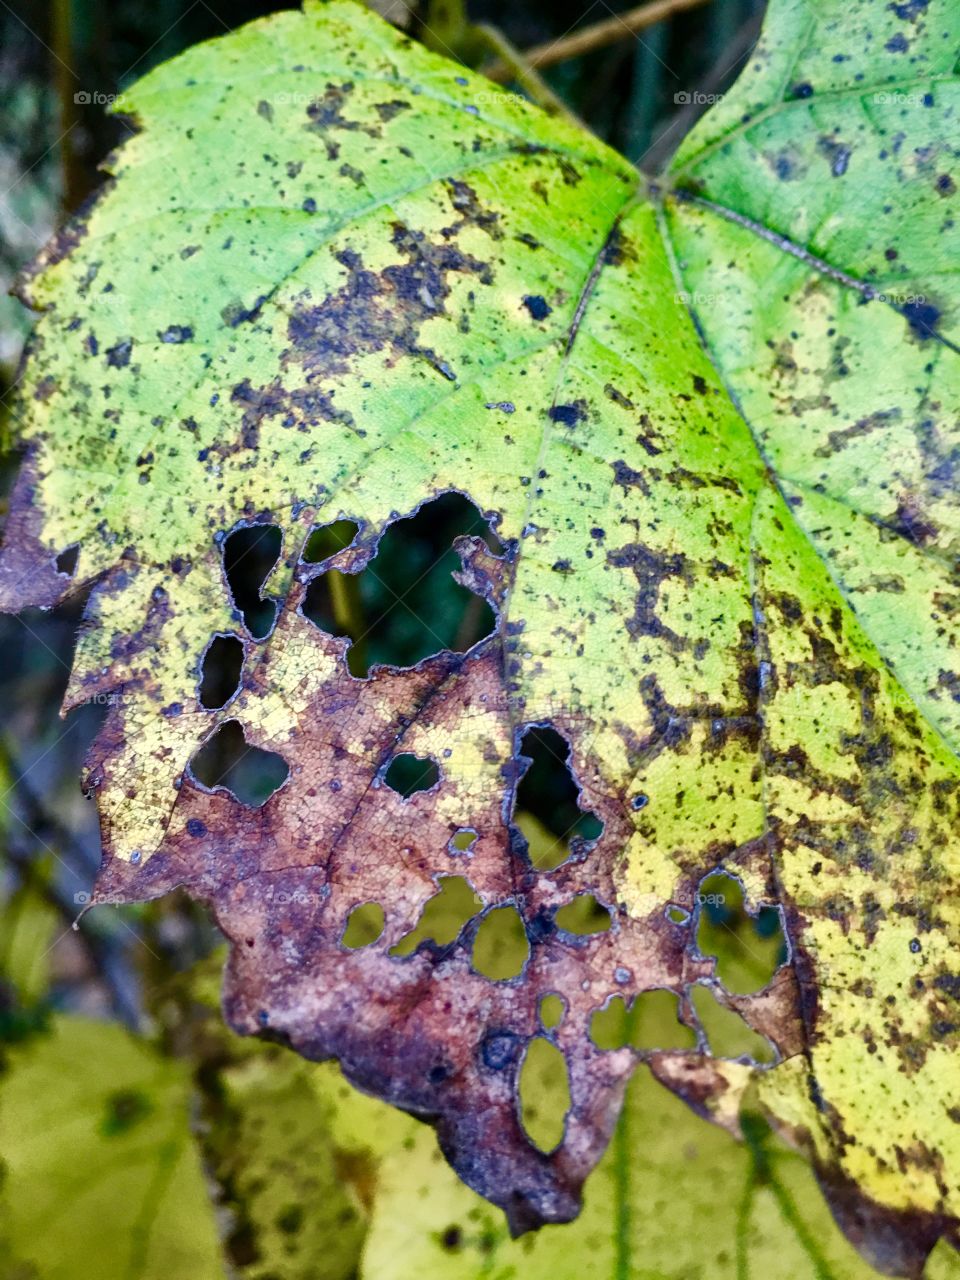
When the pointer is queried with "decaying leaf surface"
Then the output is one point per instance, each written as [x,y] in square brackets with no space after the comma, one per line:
[713,429]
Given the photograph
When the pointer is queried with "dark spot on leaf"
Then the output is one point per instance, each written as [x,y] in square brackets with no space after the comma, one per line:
[176,333]
[125,1109]
[118,356]
[537,306]
[568,414]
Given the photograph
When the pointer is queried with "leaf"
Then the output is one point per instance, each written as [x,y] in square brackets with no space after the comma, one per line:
[334,277]
[673,1199]
[301,1215]
[96,1132]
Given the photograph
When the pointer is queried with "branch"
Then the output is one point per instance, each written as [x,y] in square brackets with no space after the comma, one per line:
[597,36]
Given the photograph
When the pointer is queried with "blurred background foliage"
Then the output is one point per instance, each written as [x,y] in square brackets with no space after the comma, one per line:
[138,1137]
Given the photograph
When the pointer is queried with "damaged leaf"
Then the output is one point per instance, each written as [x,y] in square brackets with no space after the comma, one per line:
[711,431]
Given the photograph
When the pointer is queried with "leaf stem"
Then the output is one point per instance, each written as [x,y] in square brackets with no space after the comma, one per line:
[597,36]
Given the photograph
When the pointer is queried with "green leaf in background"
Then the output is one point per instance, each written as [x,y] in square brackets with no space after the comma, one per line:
[713,425]
[100,1175]
[306,1177]
[674,1198]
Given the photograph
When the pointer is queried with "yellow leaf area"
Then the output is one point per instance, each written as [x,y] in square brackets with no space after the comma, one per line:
[714,431]
[308,1178]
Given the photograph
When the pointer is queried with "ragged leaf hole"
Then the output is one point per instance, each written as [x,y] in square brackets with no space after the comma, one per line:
[728,1034]
[220,671]
[547,807]
[326,540]
[250,553]
[749,948]
[443,916]
[501,946]
[462,841]
[551,1010]
[364,925]
[407,774]
[404,605]
[226,760]
[544,1094]
[66,562]
[583,916]
[647,1023]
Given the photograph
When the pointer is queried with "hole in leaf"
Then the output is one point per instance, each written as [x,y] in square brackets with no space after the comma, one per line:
[364,925]
[650,1022]
[67,560]
[405,605]
[676,914]
[443,916]
[220,671]
[249,773]
[552,1009]
[749,949]
[463,840]
[327,539]
[547,809]
[728,1034]
[583,916]
[249,555]
[407,774]
[501,946]
[544,1094]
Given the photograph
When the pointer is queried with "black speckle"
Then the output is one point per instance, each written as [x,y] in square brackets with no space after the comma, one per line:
[538,307]
[922,317]
[119,355]
[176,333]
[568,414]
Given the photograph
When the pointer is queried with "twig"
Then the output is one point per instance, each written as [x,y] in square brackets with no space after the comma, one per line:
[594,37]
[74,188]
[516,66]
